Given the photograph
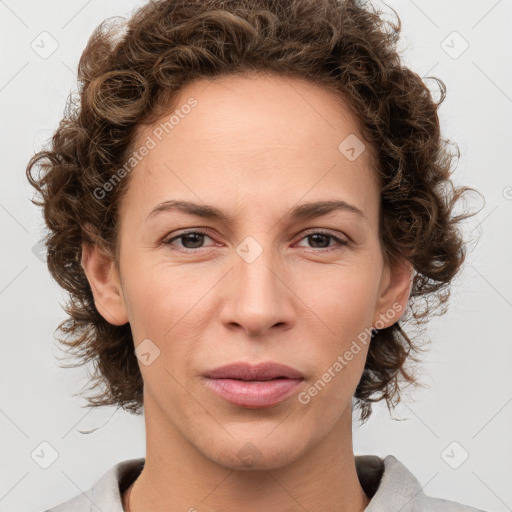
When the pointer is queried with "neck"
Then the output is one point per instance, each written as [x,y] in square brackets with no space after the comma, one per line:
[176,476]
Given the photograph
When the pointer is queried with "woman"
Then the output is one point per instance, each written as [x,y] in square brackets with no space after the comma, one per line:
[244,202]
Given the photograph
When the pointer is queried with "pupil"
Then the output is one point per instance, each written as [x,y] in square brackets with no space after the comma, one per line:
[315,239]
[195,243]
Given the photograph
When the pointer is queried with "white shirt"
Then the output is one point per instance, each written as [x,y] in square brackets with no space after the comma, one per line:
[389,484]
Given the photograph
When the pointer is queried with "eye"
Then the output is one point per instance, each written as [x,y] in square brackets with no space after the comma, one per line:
[322,239]
[190,240]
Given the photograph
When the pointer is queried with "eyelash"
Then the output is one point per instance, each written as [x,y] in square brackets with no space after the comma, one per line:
[341,241]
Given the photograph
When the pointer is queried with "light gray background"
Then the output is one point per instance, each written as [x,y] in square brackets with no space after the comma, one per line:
[468,367]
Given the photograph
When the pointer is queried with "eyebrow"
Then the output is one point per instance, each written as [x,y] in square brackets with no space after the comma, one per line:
[303,211]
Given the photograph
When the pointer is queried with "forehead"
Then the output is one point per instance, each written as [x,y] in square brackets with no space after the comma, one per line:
[263,110]
[254,139]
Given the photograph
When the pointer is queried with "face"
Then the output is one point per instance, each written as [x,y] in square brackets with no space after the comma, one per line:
[264,282]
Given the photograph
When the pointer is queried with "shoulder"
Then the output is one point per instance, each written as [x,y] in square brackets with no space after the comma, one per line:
[398,489]
[105,494]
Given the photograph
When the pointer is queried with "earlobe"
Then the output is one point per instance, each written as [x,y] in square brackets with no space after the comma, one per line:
[105,284]
[393,300]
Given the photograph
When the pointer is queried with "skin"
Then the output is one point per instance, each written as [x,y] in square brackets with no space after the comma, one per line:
[254,146]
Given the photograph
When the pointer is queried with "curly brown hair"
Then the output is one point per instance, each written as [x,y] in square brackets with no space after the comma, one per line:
[129,74]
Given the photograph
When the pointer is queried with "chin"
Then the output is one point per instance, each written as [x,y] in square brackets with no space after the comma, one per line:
[256,452]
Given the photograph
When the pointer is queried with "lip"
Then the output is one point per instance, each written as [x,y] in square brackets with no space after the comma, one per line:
[254,386]
[247,371]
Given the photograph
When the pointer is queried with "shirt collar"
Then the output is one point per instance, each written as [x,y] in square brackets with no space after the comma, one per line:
[389,484]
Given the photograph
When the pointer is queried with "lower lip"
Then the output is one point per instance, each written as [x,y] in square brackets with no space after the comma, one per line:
[254,394]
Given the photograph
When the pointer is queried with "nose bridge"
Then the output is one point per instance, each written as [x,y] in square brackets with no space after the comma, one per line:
[259,298]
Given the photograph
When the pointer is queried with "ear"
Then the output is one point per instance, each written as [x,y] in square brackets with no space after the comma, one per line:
[394,292]
[105,284]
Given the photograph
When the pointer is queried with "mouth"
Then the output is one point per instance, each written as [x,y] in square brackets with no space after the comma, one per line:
[254,386]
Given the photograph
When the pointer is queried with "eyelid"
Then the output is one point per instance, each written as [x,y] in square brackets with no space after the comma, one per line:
[176,235]
[324,231]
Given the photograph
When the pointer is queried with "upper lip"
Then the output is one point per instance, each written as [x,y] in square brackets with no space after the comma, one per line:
[247,371]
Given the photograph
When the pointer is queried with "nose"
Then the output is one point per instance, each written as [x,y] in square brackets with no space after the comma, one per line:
[259,296]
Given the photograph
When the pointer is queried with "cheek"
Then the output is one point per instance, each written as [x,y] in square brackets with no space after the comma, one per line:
[341,305]
[343,296]
[159,293]
[166,305]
